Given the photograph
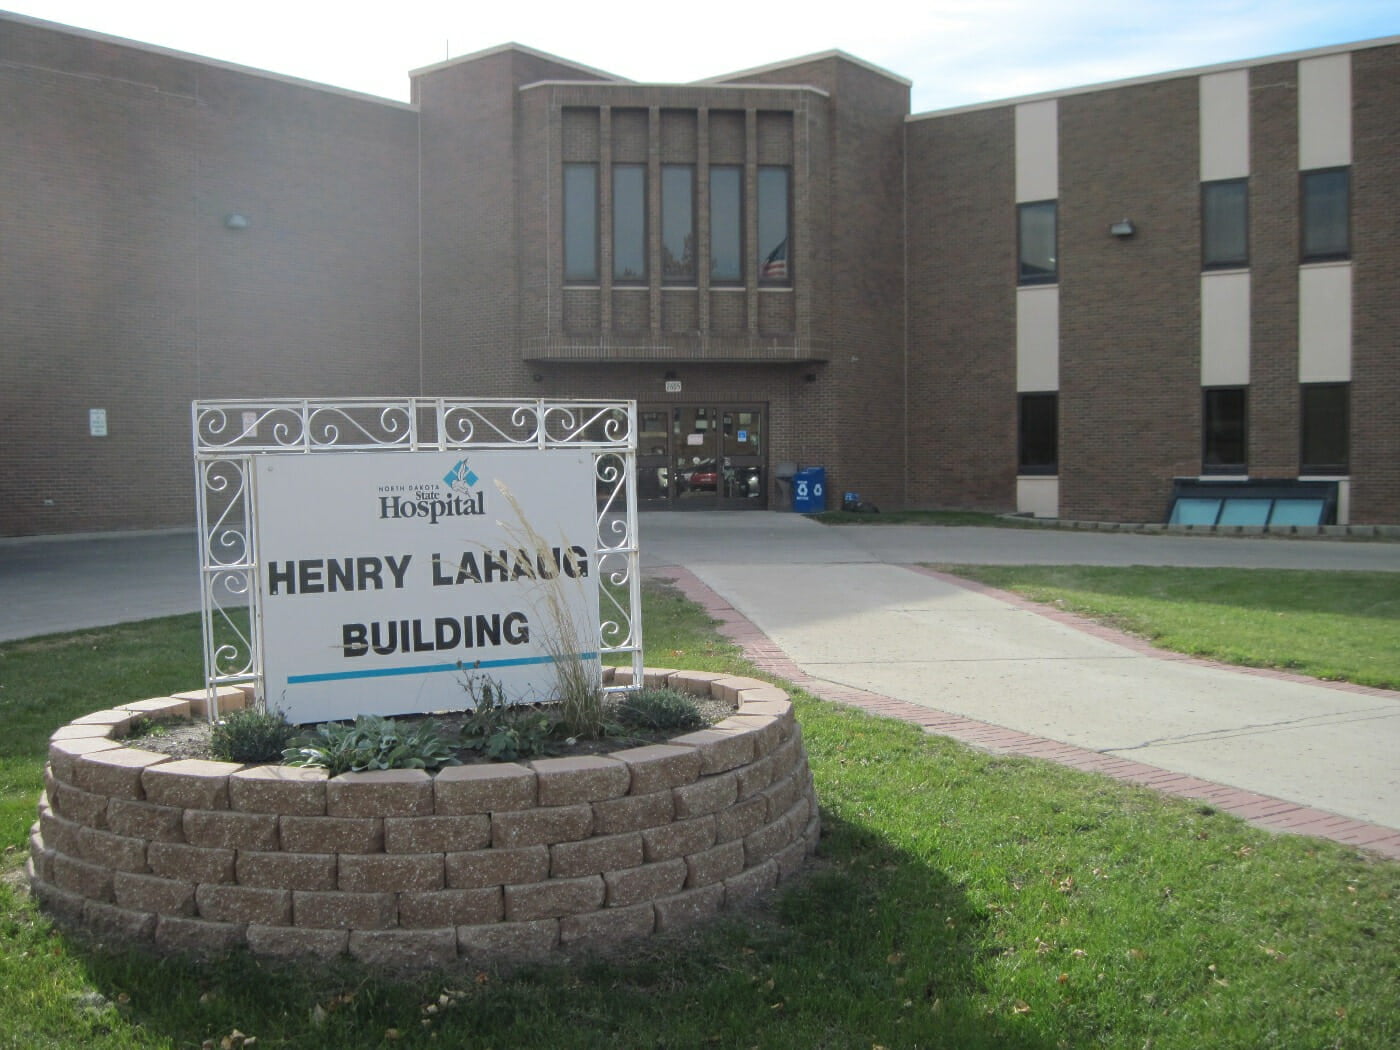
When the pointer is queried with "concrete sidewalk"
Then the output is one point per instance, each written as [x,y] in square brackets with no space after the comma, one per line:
[846,611]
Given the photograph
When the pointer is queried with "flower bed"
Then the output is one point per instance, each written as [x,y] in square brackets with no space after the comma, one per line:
[403,867]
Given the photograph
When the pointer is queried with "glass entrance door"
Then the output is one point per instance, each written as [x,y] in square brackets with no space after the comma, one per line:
[701,457]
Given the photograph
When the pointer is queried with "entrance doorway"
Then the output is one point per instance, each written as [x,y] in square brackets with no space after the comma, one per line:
[701,457]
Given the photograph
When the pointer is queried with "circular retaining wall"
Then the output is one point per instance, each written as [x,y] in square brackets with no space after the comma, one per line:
[404,867]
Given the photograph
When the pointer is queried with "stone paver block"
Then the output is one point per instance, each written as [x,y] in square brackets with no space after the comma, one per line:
[720,750]
[176,860]
[750,884]
[229,903]
[679,839]
[64,754]
[606,928]
[764,700]
[76,732]
[696,683]
[332,834]
[766,841]
[657,767]
[120,721]
[193,783]
[655,677]
[781,794]
[791,858]
[292,790]
[87,880]
[294,942]
[146,821]
[509,940]
[81,807]
[198,937]
[715,864]
[405,949]
[553,899]
[707,795]
[116,773]
[742,818]
[580,778]
[767,730]
[380,793]
[118,924]
[150,893]
[388,872]
[757,775]
[483,788]
[633,812]
[345,911]
[225,829]
[58,834]
[229,697]
[594,856]
[544,826]
[287,871]
[645,883]
[118,852]
[160,707]
[730,688]
[66,906]
[436,834]
[686,909]
[497,867]
[451,907]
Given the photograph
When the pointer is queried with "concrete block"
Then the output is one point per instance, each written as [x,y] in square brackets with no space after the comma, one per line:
[287,871]
[543,826]
[437,834]
[198,937]
[345,911]
[451,907]
[291,790]
[146,821]
[720,750]
[118,852]
[715,864]
[633,812]
[741,819]
[390,872]
[332,834]
[657,767]
[119,925]
[554,898]
[581,778]
[81,807]
[115,773]
[225,829]
[92,881]
[294,942]
[496,867]
[750,884]
[175,860]
[484,788]
[644,883]
[604,929]
[595,855]
[251,904]
[380,793]
[707,795]
[686,909]
[191,783]
[405,949]
[508,940]
[679,839]
[151,893]
[64,754]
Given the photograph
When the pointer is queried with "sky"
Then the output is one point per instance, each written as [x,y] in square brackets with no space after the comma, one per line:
[956,52]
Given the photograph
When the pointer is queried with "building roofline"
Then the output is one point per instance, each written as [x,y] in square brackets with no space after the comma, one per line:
[803,60]
[1153,78]
[522,49]
[202,60]
[687,86]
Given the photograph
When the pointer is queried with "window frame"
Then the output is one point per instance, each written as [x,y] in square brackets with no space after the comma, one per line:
[640,209]
[1241,261]
[1211,439]
[1309,426]
[1052,276]
[1305,226]
[764,260]
[575,276]
[678,273]
[1024,466]
[737,170]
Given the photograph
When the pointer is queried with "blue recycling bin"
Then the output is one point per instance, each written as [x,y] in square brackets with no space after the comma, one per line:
[809,490]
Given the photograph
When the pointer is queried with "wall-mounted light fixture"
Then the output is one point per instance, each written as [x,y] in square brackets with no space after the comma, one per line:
[1123,228]
[236,220]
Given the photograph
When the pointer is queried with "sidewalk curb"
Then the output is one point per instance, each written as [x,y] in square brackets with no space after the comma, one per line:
[1273,814]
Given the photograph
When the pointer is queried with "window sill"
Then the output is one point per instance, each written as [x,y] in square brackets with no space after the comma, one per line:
[1324,264]
[1223,271]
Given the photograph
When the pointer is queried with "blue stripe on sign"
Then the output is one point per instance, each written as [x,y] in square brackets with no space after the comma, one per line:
[394,672]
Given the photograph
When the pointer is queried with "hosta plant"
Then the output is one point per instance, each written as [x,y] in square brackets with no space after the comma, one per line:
[371,742]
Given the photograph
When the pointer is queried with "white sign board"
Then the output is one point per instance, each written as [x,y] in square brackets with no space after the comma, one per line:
[387,579]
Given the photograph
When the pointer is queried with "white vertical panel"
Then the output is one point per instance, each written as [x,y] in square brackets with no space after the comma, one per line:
[1037,151]
[1225,329]
[1038,496]
[1324,112]
[1224,103]
[1324,324]
[1037,339]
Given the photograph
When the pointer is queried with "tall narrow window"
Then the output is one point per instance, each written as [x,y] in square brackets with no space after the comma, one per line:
[726,224]
[774,257]
[1223,445]
[580,222]
[629,219]
[1326,214]
[1036,241]
[1038,441]
[1224,224]
[678,223]
[1325,428]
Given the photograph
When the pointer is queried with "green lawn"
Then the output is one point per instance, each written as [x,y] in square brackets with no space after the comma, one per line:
[959,900]
[1342,626]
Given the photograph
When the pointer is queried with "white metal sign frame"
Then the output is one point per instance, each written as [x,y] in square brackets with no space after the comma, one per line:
[230,434]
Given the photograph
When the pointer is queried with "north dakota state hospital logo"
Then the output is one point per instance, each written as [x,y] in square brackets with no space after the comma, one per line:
[432,503]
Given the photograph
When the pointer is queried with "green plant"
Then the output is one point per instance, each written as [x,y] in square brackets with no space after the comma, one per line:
[250,735]
[502,731]
[371,742]
[656,709]
[146,727]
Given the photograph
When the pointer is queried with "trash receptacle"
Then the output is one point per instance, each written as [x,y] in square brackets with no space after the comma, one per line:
[809,490]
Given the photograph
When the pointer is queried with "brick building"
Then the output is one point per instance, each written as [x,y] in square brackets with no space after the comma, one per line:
[1075,305]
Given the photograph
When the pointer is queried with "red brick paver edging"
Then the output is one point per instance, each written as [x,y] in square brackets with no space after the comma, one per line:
[1262,810]
[407,868]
